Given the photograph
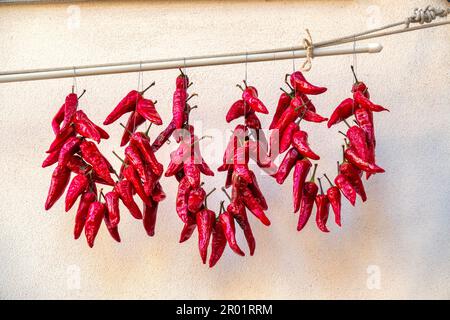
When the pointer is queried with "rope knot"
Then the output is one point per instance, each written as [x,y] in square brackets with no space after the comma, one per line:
[309,48]
[426,15]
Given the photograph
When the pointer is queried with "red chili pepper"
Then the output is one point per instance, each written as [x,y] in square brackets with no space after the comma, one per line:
[82,212]
[113,230]
[286,165]
[192,172]
[334,196]
[127,104]
[300,84]
[250,96]
[343,111]
[78,185]
[204,168]
[178,107]
[358,141]
[353,175]
[296,108]
[51,159]
[258,153]
[133,155]
[59,181]
[112,206]
[182,200]
[300,172]
[146,108]
[77,165]
[131,175]
[365,121]
[228,182]
[361,86]
[227,222]
[323,207]
[366,103]
[94,219]
[307,202]
[92,155]
[313,117]
[103,133]
[188,229]
[149,220]
[218,243]
[254,206]
[70,107]
[346,188]
[240,163]
[300,142]
[205,222]
[86,127]
[68,150]
[58,119]
[196,199]
[256,191]
[158,193]
[240,215]
[283,104]
[286,138]
[237,109]
[163,136]
[142,142]
[61,138]
[352,156]
[252,121]
[134,121]
[124,190]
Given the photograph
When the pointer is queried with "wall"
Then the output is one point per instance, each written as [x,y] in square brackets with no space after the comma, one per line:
[393,246]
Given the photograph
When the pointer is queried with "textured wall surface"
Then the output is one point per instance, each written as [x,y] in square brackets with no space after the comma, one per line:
[393,246]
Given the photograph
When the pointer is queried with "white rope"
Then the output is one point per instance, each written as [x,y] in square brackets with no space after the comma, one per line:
[426,15]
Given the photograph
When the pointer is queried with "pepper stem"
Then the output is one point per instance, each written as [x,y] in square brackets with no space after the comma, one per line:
[289,85]
[314,172]
[226,193]
[102,195]
[207,195]
[286,77]
[285,92]
[181,71]
[148,129]
[190,84]
[84,91]
[345,121]
[325,175]
[222,207]
[354,74]
[343,153]
[338,167]
[320,185]
[245,83]
[117,176]
[128,130]
[191,96]
[151,85]
[342,133]
[240,87]
[114,153]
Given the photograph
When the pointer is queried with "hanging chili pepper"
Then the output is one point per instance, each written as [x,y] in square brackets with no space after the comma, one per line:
[250,97]
[113,230]
[283,104]
[149,219]
[131,175]
[227,222]
[236,110]
[365,121]
[346,188]
[313,117]
[358,141]
[178,107]
[68,150]
[142,142]
[58,119]
[51,159]
[286,165]
[252,121]
[188,229]
[300,172]
[241,217]
[70,107]
[124,190]
[82,212]
[94,219]
[218,243]
[254,206]
[61,138]
[256,191]
[352,156]
[78,186]
[158,194]
[77,165]
[205,221]
[295,109]
[134,121]
[163,136]
[103,133]
[192,172]
[307,201]
[334,196]
[134,157]
[366,103]
[146,108]
[92,155]
[300,142]
[204,168]
[112,206]
[86,127]
[300,84]
[323,207]
[353,175]
[59,181]
[196,199]
[182,200]
[127,104]
[286,138]
[342,112]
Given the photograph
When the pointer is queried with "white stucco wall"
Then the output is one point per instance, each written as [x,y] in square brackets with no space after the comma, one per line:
[399,236]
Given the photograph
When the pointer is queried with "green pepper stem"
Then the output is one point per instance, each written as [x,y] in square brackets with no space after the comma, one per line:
[123,161]
[222,207]
[245,83]
[207,195]
[226,193]
[148,129]
[129,132]
[151,85]
[325,175]
[343,153]
[320,185]
[101,193]
[354,74]
[345,121]
[342,133]
[314,172]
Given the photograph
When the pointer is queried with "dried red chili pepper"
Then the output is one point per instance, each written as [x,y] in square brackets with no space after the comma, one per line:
[113,230]
[131,175]
[313,117]
[323,207]
[94,219]
[127,104]
[300,142]
[192,172]
[256,191]
[70,107]
[68,150]
[218,243]
[366,103]
[352,156]
[240,215]
[86,127]
[188,229]
[204,168]
[178,107]
[252,121]
[163,136]
[346,188]
[133,155]
[286,138]
[205,222]
[92,155]
[142,142]
[78,165]
[78,185]
[182,200]
[112,206]
[51,159]
[286,165]
[61,138]
[300,172]
[250,97]
[300,84]
[238,109]
[134,121]
[196,199]
[295,109]
[59,181]
[283,104]
[227,222]
[353,175]
[334,196]
[307,201]
[342,112]
[146,108]
[158,193]
[254,206]
[124,190]
[358,141]
[149,220]
[58,119]
[365,121]
[82,212]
